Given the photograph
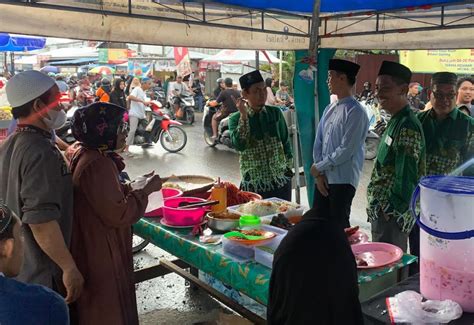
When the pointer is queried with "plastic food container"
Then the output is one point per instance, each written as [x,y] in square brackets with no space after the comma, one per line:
[176,216]
[168,193]
[264,254]
[235,249]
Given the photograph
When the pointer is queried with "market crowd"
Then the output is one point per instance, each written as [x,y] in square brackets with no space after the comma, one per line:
[65,218]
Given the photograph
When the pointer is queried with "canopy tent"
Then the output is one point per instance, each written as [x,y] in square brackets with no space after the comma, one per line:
[255,24]
[331,6]
[282,25]
[240,56]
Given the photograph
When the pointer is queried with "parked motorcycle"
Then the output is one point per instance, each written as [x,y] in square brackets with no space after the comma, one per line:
[223,133]
[161,128]
[186,105]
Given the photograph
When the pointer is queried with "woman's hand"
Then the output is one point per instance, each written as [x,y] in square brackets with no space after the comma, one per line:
[153,184]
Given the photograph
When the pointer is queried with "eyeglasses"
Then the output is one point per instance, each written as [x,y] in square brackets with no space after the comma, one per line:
[123,128]
[442,96]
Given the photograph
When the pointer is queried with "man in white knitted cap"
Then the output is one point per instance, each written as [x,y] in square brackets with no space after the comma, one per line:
[36,184]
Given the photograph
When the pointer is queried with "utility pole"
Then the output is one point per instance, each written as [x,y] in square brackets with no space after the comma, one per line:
[313,51]
[257,60]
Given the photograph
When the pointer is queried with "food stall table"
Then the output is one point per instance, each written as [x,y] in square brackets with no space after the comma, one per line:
[375,309]
[250,278]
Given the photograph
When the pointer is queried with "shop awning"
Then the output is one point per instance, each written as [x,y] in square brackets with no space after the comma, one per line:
[74,62]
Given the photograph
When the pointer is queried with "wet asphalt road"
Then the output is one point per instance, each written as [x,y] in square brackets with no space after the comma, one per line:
[167,300]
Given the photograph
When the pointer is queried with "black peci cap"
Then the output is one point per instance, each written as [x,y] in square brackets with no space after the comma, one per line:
[250,79]
[347,67]
[396,70]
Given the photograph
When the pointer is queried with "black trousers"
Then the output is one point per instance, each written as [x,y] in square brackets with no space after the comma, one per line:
[414,240]
[283,192]
[337,205]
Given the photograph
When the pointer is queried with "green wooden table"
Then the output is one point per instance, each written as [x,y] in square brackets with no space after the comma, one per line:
[250,278]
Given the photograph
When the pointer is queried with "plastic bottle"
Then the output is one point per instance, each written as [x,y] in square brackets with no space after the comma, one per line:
[219,193]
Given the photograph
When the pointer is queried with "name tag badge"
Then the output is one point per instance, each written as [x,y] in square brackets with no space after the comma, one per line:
[388,141]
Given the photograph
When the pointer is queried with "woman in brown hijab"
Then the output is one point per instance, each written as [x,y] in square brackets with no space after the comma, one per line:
[104,210]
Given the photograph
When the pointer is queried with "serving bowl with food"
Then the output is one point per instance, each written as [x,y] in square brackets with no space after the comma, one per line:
[223,221]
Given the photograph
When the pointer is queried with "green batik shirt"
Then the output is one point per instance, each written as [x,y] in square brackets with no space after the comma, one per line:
[449,143]
[398,167]
[264,146]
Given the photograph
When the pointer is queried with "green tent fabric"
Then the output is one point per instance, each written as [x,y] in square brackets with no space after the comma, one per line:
[305,110]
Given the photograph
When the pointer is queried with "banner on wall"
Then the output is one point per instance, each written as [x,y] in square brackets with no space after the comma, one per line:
[430,61]
[140,68]
[114,56]
[182,61]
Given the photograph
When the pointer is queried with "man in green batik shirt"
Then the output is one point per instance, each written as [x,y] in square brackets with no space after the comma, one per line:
[448,132]
[449,136]
[400,160]
[260,134]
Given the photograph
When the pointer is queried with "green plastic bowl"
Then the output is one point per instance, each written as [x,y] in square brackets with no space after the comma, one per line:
[249,221]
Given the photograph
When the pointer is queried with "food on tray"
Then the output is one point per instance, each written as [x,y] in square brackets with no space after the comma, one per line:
[265,207]
[351,231]
[259,208]
[281,221]
[173,185]
[361,261]
[225,215]
[250,232]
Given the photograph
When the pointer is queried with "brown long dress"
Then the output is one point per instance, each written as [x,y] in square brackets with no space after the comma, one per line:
[101,245]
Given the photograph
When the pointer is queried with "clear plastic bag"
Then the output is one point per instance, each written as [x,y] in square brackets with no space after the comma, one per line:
[409,307]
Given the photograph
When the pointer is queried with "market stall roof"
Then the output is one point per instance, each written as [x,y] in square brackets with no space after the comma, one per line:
[69,53]
[239,56]
[20,43]
[257,24]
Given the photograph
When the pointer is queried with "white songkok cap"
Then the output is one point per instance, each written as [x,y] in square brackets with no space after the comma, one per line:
[27,86]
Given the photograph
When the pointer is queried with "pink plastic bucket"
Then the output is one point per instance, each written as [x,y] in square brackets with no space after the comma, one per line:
[175,216]
[168,193]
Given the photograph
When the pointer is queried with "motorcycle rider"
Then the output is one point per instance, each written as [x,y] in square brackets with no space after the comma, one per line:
[103,93]
[138,103]
[227,97]
[367,92]
[179,89]
[83,93]
[220,87]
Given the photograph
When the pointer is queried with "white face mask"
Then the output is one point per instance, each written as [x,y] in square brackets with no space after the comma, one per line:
[55,119]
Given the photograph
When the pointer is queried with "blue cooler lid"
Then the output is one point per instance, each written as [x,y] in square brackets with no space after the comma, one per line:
[449,184]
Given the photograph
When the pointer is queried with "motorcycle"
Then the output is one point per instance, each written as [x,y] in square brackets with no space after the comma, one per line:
[158,94]
[223,133]
[186,105]
[161,128]
[372,139]
[378,120]
[65,132]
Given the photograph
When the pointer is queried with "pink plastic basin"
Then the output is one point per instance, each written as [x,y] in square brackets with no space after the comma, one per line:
[175,216]
[168,193]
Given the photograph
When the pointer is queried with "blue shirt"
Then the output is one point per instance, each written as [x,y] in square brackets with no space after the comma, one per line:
[22,303]
[339,146]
